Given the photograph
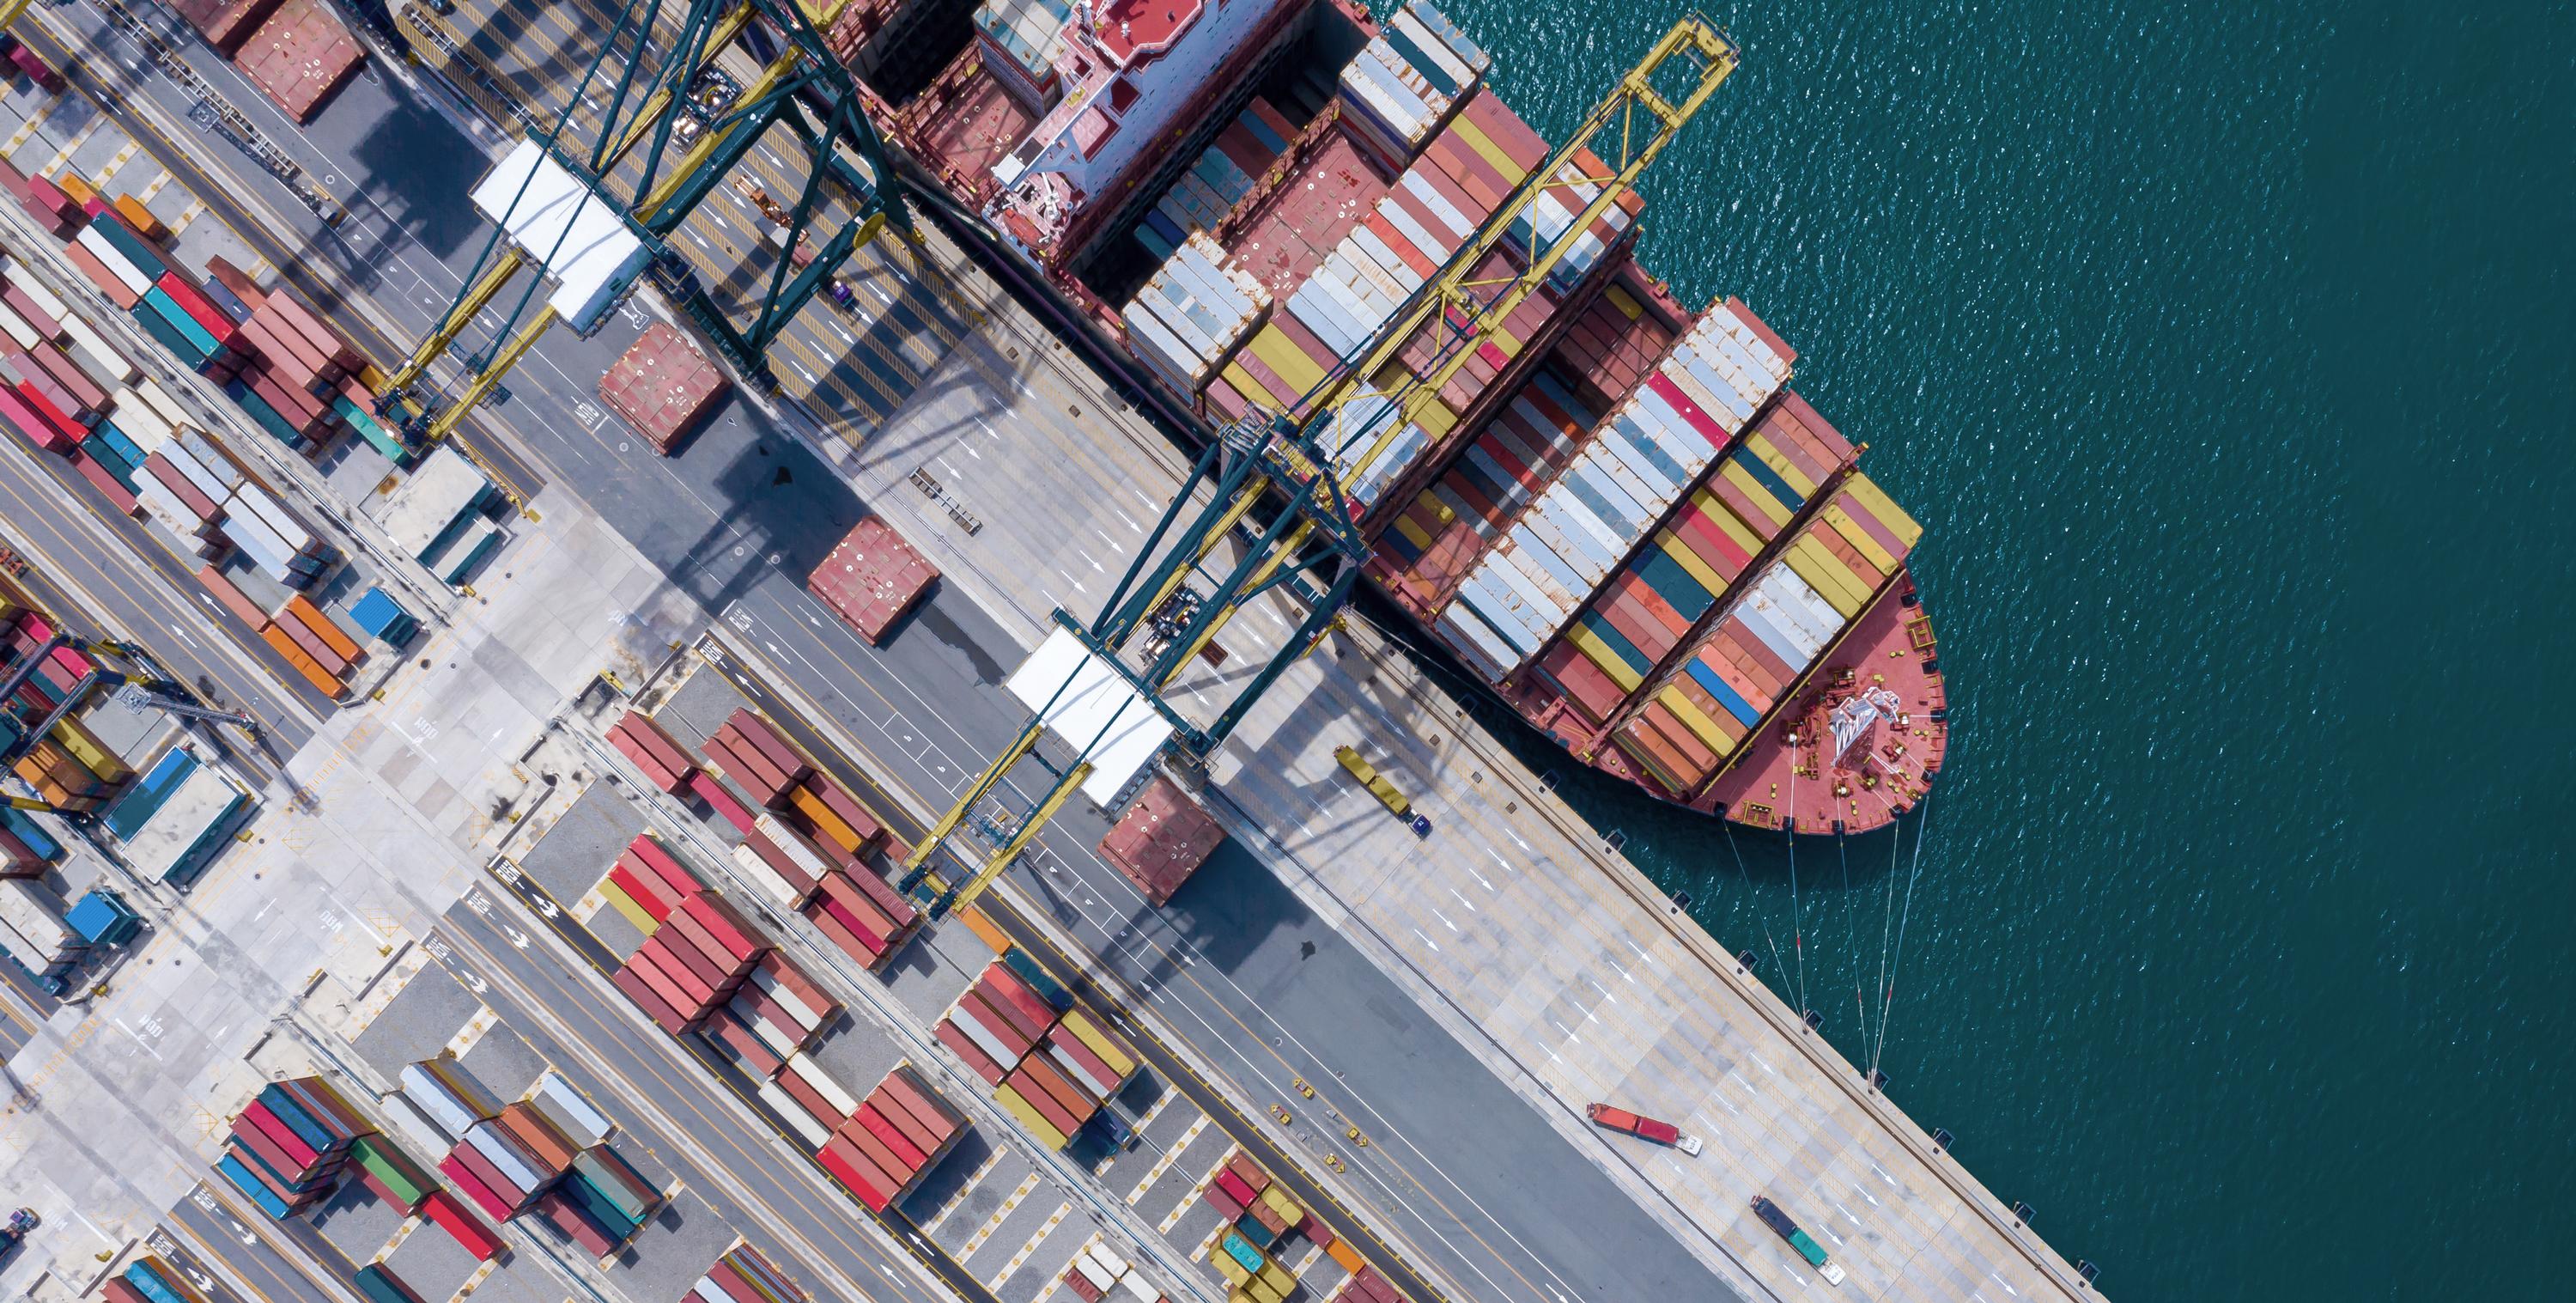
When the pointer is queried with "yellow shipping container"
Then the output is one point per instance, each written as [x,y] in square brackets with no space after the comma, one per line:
[1869,495]
[1281,1204]
[1276,1277]
[1235,1275]
[1029,1116]
[1600,654]
[1819,576]
[1759,496]
[1483,144]
[1285,360]
[1099,1042]
[1781,466]
[1860,585]
[1690,561]
[1627,304]
[625,906]
[1695,719]
[92,753]
[1860,538]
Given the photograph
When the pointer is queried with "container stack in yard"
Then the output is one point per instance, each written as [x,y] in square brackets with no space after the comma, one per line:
[1096,1274]
[67,767]
[663,386]
[35,934]
[653,750]
[435,515]
[546,1154]
[647,883]
[742,1275]
[148,1279]
[103,918]
[1161,840]
[1260,1216]
[288,1145]
[180,837]
[871,578]
[775,1013]
[1051,1065]
[692,964]
[807,843]
[899,1132]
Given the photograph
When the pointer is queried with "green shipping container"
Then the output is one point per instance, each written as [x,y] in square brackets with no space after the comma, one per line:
[380,1286]
[614,1180]
[371,430]
[387,1166]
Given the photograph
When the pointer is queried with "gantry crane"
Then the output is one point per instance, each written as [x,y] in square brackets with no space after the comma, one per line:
[1313,454]
[152,690]
[694,144]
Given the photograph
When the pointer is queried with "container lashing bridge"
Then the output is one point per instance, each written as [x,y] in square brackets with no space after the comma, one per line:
[1278,484]
[579,203]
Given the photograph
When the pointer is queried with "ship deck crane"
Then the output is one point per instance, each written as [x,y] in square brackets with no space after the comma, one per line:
[802,87]
[1309,456]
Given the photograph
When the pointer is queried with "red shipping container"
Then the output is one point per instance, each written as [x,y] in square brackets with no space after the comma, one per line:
[832,922]
[645,898]
[97,475]
[670,1020]
[883,1157]
[473,1188]
[230,597]
[667,870]
[117,291]
[712,792]
[300,1155]
[856,1174]
[910,1155]
[467,1229]
[39,428]
[977,1061]
[727,926]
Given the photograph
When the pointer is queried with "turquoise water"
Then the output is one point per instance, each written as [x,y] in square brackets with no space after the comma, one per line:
[2224,351]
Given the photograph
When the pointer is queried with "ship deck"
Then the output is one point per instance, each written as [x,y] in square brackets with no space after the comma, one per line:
[1890,764]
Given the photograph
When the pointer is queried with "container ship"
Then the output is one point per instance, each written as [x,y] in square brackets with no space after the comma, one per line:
[1618,516]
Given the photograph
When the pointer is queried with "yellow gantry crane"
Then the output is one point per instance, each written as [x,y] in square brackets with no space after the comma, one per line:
[1627,130]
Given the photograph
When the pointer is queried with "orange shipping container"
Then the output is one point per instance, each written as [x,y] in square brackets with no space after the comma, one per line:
[331,635]
[285,647]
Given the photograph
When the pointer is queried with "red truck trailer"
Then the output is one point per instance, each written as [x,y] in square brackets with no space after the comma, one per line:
[1615,1118]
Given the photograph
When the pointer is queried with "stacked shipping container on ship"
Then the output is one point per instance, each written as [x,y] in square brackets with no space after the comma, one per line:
[1575,532]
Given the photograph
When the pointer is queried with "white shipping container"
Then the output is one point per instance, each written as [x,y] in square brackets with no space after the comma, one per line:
[808,1128]
[760,875]
[441,1106]
[162,402]
[111,360]
[821,1082]
[117,264]
[46,301]
[516,1168]
[414,1125]
[18,328]
[569,1112]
